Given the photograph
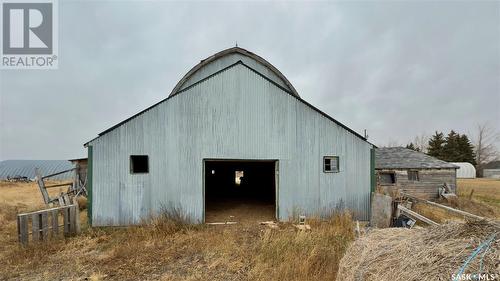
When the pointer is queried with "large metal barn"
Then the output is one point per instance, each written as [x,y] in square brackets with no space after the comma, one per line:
[233,132]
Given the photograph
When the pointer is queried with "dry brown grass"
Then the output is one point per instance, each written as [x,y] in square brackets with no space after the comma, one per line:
[288,255]
[484,190]
[485,201]
[169,249]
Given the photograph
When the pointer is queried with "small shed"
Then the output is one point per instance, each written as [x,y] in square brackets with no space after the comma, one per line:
[491,173]
[465,170]
[416,173]
[80,170]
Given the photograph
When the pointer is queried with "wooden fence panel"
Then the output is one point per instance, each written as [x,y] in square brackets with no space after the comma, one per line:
[45,223]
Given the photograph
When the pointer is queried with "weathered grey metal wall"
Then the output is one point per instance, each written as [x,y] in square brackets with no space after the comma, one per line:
[235,114]
[491,173]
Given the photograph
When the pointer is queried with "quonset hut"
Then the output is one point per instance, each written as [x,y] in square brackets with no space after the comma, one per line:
[232,132]
[465,170]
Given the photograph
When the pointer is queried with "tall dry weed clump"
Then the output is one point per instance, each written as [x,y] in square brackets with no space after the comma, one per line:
[171,220]
[314,255]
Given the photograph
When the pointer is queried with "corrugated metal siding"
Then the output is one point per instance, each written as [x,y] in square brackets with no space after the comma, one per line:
[228,60]
[235,114]
[26,168]
[491,173]
[465,171]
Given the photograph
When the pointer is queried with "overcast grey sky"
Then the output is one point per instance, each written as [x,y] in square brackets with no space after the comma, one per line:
[397,69]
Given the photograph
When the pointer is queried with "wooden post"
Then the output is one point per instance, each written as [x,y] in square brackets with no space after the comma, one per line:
[41,186]
[35,229]
[66,220]
[60,200]
[55,222]
[72,219]
[44,225]
[67,200]
[77,216]
[471,193]
[22,229]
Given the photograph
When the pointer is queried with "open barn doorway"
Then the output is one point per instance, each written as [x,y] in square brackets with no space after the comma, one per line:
[240,190]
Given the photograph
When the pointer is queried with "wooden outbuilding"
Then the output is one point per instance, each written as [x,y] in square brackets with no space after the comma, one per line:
[415,173]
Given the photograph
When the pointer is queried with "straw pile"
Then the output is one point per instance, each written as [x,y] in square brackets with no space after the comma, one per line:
[421,254]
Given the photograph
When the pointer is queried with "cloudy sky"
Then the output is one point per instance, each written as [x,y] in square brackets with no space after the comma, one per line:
[397,69]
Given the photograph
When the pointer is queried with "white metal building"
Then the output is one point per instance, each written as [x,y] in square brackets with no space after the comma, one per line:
[491,173]
[465,171]
[233,116]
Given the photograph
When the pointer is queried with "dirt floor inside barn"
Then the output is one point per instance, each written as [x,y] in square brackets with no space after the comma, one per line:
[168,250]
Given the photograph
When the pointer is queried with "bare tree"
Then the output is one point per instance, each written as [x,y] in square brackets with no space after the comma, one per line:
[484,145]
[392,143]
[421,142]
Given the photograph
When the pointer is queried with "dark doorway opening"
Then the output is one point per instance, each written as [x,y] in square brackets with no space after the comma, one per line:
[240,190]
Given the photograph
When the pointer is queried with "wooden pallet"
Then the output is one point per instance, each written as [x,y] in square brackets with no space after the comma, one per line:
[45,224]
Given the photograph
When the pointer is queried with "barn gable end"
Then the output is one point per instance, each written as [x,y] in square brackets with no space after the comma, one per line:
[234,113]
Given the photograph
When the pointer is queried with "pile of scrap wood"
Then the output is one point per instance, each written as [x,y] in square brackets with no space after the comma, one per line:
[432,253]
[388,211]
[409,201]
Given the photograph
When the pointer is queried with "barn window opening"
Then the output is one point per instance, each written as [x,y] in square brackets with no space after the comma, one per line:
[413,176]
[238,177]
[331,164]
[387,178]
[139,164]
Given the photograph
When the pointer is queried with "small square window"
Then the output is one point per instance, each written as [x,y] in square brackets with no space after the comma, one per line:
[139,164]
[413,176]
[387,178]
[331,164]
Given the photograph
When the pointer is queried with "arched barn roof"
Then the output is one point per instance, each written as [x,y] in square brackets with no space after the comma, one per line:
[465,171]
[227,57]
[223,61]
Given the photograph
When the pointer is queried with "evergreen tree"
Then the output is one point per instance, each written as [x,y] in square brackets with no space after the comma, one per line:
[451,149]
[436,145]
[466,150]
[412,146]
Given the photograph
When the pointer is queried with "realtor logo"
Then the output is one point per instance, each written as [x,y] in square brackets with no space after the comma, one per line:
[29,34]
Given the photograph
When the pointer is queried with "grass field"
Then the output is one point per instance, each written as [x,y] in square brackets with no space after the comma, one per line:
[477,196]
[483,190]
[170,250]
[167,249]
